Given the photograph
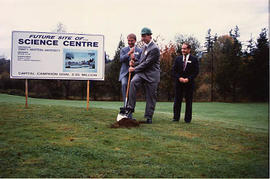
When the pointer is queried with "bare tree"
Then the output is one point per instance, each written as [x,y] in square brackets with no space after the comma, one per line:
[60,28]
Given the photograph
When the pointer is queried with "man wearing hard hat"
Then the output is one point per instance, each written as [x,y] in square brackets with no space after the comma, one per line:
[147,72]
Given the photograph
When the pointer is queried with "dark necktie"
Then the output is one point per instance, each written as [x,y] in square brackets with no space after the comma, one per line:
[145,47]
[185,64]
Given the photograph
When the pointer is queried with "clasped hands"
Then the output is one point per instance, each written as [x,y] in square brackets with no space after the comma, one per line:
[183,80]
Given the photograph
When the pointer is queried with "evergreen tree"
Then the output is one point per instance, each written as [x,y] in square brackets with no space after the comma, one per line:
[235,63]
[209,41]
[207,64]
[223,48]
[210,60]
[245,73]
[259,69]
[112,73]
[229,65]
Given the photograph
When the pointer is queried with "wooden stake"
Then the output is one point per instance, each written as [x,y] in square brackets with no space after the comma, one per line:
[88,83]
[26,93]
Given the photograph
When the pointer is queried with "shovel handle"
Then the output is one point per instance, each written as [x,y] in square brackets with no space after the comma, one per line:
[129,76]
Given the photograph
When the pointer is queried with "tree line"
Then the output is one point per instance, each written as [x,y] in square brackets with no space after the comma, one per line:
[234,73]
[228,72]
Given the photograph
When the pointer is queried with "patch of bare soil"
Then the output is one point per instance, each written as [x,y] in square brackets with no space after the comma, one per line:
[125,123]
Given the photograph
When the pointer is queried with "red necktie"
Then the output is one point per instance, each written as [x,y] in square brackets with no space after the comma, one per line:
[185,64]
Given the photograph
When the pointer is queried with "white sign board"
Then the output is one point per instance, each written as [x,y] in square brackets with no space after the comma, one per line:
[44,55]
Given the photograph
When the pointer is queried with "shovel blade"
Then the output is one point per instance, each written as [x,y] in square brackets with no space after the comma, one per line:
[121,116]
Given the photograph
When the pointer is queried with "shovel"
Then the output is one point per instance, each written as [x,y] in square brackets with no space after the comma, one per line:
[124,111]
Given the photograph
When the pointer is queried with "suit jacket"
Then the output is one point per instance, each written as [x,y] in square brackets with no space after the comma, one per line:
[149,65]
[191,71]
[125,58]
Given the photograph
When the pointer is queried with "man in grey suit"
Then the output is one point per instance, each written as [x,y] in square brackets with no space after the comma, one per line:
[126,54]
[147,72]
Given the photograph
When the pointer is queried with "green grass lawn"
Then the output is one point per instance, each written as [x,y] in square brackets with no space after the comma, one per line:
[59,138]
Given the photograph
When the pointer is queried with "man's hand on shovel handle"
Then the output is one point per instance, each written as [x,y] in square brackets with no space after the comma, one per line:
[131,63]
[131,69]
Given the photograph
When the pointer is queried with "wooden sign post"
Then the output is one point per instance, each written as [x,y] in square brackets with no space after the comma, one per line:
[88,84]
[26,93]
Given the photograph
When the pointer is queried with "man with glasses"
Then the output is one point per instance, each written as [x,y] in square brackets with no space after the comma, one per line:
[185,70]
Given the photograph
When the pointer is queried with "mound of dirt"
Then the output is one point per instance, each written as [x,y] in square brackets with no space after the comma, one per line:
[125,123]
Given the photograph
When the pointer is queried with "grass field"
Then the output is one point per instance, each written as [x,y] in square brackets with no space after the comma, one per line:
[59,138]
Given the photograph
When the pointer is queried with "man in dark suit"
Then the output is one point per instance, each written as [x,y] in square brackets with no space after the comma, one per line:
[185,70]
[147,72]
[126,54]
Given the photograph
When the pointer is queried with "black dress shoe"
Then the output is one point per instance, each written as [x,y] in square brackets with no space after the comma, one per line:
[187,120]
[149,121]
[175,120]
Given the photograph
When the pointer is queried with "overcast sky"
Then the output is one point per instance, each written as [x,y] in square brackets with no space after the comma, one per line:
[115,17]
